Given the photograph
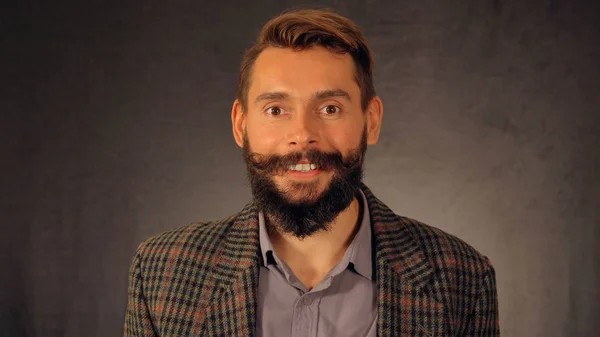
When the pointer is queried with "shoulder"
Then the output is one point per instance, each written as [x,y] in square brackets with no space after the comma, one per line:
[464,279]
[463,275]
[444,250]
[198,241]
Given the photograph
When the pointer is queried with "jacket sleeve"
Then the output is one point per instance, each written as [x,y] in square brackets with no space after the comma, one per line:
[137,317]
[483,321]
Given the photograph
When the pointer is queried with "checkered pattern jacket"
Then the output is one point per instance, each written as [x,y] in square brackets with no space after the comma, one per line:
[202,279]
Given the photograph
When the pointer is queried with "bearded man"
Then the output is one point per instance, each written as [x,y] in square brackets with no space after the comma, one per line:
[315,253]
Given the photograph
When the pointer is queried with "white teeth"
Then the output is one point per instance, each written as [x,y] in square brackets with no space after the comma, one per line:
[303,167]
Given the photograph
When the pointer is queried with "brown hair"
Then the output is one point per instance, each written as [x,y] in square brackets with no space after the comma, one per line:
[303,29]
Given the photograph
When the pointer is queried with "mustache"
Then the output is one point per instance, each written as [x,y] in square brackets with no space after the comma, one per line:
[278,164]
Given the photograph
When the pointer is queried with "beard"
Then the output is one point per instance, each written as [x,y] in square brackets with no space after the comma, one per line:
[313,211]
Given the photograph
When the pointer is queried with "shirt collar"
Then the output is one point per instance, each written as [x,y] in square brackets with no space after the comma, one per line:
[359,249]
[266,247]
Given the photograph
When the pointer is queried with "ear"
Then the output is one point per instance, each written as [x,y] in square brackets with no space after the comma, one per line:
[374,115]
[238,122]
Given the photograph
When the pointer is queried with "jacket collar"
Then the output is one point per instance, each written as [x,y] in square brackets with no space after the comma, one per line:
[394,244]
[404,303]
[401,271]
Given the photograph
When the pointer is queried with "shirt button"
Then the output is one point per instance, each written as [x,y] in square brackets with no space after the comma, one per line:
[307,301]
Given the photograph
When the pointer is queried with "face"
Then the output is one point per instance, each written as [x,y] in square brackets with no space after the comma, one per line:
[304,135]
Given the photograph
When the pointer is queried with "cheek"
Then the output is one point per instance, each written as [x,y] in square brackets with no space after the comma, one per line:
[263,139]
[345,138]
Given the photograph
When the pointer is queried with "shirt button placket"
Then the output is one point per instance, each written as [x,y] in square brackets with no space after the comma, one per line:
[303,321]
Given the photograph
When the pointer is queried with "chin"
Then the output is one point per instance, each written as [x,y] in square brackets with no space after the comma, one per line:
[303,192]
[301,199]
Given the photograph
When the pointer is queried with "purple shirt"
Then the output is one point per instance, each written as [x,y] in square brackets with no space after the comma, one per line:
[344,303]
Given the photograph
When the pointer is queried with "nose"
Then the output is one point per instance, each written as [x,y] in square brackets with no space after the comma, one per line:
[303,131]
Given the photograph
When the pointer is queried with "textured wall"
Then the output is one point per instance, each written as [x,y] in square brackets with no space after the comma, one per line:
[115,126]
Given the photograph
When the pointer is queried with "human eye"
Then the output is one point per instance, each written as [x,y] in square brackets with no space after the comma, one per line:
[274,111]
[331,110]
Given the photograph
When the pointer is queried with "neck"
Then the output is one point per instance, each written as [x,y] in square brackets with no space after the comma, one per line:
[313,257]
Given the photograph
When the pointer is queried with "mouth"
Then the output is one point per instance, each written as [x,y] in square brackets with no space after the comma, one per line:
[303,167]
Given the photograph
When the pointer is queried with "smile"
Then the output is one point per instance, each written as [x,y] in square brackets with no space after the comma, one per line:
[303,167]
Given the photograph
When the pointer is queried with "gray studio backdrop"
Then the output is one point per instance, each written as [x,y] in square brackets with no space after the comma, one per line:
[115,126]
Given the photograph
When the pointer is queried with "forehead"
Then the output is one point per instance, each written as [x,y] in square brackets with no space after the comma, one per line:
[301,73]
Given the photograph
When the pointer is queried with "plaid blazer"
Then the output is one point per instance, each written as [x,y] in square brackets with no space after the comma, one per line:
[202,279]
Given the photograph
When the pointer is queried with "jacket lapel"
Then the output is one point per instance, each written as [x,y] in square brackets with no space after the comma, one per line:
[231,310]
[406,305]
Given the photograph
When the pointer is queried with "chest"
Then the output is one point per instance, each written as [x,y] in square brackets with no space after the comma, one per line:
[340,305]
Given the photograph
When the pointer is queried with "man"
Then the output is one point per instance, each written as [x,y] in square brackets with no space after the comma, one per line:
[315,253]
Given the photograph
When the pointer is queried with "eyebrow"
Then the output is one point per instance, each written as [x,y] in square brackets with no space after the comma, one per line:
[319,95]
